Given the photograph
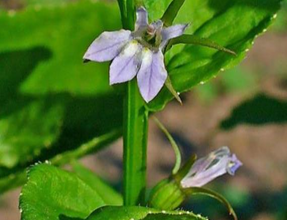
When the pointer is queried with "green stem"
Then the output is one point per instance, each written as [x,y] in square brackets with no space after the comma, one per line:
[135,128]
[135,146]
[127,8]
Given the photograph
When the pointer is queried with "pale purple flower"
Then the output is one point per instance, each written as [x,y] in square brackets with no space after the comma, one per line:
[208,168]
[136,53]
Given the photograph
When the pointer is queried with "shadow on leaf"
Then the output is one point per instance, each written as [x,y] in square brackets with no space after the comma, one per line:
[15,67]
[38,127]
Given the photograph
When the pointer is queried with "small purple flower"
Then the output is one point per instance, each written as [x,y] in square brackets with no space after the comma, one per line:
[208,168]
[136,53]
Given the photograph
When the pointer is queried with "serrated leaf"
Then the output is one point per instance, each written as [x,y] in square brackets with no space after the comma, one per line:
[232,24]
[12,178]
[51,192]
[141,213]
[107,193]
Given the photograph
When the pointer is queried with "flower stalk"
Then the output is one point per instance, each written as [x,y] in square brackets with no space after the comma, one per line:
[135,129]
[135,146]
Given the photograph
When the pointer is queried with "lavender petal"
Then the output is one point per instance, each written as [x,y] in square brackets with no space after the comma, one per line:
[210,167]
[142,18]
[203,163]
[233,165]
[108,45]
[202,178]
[125,66]
[172,32]
[152,74]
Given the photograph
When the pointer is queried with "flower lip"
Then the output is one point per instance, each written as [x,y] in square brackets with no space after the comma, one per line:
[233,165]
[206,169]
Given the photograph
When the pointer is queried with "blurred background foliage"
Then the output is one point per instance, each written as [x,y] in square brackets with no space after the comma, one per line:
[52,102]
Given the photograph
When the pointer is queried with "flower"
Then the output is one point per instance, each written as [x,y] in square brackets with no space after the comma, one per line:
[208,168]
[136,53]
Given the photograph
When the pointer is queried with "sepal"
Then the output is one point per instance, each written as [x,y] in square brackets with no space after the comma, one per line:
[167,195]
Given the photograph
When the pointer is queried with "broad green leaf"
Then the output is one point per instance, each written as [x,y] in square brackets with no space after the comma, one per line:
[141,213]
[12,178]
[51,193]
[107,193]
[233,24]
[52,103]
[64,32]
[28,130]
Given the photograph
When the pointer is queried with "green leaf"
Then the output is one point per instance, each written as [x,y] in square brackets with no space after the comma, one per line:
[108,194]
[156,8]
[12,178]
[55,29]
[141,213]
[171,12]
[52,103]
[51,193]
[207,192]
[28,130]
[233,24]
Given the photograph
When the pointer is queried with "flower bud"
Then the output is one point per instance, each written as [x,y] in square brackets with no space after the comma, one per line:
[171,192]
[167,195]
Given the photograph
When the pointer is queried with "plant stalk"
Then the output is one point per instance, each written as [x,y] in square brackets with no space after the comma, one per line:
[135,146]
[135,129]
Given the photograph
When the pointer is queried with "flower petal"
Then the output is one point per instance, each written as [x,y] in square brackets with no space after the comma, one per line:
[172,32]
[202,178]
[210,167]
[152,74]
[205,162]
[142,18]
[108,45]
[126,65]
[233,165]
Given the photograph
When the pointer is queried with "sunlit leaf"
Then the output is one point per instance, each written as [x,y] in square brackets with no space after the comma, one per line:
[232,24]
[141,213]
[51,192]
[12,178]
[107,193]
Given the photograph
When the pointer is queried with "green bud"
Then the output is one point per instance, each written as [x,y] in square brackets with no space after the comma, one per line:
[167,195]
